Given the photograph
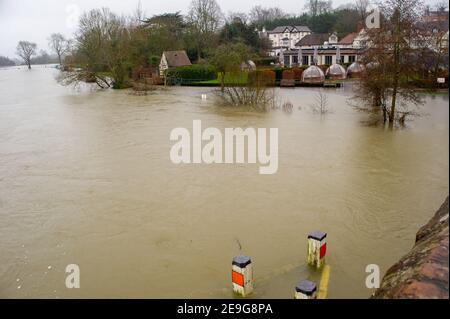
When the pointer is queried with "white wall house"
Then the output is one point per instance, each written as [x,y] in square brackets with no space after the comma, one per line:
[172,59]
[285,37]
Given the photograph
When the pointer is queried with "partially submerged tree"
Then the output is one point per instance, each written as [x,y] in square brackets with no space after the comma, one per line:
[101,50]
[320,105]
[25,50]
[391,59]
[257,93]
[59,44]
[228,59]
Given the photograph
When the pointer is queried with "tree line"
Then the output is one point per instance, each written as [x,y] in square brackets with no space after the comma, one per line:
[199,32]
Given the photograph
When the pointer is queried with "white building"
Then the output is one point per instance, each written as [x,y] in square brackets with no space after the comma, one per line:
[351,47]
[285,37]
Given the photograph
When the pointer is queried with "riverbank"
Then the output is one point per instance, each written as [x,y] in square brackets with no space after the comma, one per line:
[423,272]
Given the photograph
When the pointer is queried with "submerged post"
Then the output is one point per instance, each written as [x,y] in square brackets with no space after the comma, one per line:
[306,289]
[242,275]
[317,247]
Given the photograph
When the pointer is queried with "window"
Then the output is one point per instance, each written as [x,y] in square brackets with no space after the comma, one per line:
[351,58]
[305,60]
[328,60]
[287,60]
[295,59]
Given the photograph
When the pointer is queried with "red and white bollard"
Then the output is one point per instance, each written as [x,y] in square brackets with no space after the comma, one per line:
[306,289]
[242,275]
[317,248]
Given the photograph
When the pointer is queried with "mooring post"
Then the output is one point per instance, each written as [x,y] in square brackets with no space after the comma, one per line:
[317,248]
[306,289]
[242,275]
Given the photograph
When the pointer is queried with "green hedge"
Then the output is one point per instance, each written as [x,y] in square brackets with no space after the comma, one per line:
[265,61]
[278,73]
[194,72]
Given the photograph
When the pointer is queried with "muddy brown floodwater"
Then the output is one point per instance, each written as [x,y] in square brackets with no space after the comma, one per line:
[85,178]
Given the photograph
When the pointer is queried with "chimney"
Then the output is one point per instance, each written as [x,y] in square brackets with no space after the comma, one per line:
[359,26]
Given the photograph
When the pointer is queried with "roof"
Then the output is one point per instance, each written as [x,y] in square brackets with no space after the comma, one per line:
[177,58]
[431,16]
[313,39]
[349,38]
[327,51]
[439,26]
[290,28]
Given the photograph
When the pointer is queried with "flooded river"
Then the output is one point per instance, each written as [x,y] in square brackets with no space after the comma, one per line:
[86,179]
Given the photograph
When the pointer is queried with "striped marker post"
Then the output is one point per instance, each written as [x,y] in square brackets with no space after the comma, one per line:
[306,289]
[317,248]
[242,275]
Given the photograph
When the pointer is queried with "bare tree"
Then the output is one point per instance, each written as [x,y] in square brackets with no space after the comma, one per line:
[260,15]
[234,15]
[138,15]
[317,7]
[441,6]
[205,18]
[362,6]
[395,49]
[320,104]
[25,50]
[59,44]
[102,50]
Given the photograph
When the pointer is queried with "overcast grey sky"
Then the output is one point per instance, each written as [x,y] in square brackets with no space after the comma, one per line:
[35,20]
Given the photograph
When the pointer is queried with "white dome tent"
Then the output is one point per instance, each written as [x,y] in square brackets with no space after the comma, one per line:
[313,75]
[355,70]
[336,72]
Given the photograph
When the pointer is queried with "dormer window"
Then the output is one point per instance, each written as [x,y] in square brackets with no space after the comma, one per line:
[333,39]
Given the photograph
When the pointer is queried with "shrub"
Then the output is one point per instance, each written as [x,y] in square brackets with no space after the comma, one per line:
[288,75]
[265,61]
[298,73]
[154,60]
[278,73]
[195,72]
[270,77]
[261,78]
[324,67]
